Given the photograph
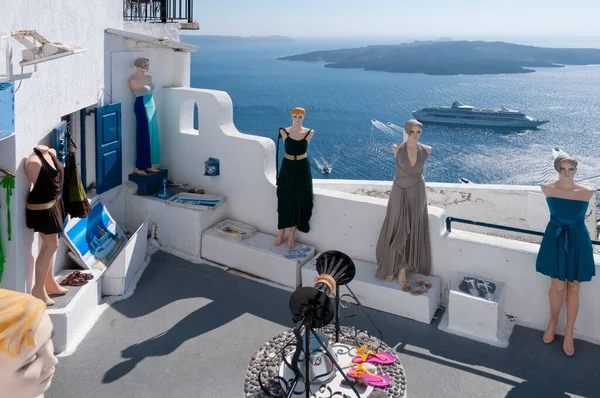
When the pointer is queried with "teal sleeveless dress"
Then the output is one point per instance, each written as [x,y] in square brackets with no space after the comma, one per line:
[566,250]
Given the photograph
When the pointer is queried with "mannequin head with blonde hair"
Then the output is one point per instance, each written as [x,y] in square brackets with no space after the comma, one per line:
[27,358]
[298,115]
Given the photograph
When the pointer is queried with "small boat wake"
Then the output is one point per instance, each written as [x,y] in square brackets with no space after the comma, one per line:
[387,128]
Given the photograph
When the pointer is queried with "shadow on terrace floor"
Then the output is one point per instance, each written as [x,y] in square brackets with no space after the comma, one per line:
[190,330]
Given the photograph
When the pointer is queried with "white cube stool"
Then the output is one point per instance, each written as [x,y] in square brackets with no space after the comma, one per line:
[477,318]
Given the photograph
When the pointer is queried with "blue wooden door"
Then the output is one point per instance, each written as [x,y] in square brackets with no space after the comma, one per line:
[109,163]
[59,141]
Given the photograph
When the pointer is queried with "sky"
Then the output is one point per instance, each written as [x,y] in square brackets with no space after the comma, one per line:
[399,18]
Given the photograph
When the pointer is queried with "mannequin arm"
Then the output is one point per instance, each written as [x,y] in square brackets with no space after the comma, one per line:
[395,148]
[32,167]
[310,135]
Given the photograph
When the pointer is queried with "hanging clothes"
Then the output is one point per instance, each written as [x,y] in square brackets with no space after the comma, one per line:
[76,203]
[8,183]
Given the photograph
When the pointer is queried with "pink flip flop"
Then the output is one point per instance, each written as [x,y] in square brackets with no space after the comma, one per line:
[375,380]
[382,358]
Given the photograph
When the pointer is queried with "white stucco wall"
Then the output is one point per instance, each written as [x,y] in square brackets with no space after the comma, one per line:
[343,221]
[519,206]
[58,88]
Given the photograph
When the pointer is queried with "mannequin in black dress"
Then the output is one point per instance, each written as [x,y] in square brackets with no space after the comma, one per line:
[45,214]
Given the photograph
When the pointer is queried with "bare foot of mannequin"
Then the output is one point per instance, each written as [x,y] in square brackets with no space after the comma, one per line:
[152,170]
[389,277]
[549,334]
[280,237]
[402,277]
[138,171]
[569,345]
[292,239]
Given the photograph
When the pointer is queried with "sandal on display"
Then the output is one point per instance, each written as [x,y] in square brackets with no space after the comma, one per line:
[473,291]
[83,275]
[375,380]
[382,358]
[417,287]
[74,280]
[485,287]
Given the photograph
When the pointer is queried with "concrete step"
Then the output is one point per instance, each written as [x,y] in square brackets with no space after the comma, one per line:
[74,314]
[257,256]
[385,296]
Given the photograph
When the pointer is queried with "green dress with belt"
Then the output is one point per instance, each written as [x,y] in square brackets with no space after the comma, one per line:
[294,187]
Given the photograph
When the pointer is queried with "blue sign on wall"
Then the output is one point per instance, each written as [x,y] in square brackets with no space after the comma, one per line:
[7,109]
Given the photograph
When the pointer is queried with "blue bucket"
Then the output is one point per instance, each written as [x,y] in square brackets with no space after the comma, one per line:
[211,167]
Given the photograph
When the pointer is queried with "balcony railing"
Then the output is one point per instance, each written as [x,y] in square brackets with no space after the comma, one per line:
[161,11]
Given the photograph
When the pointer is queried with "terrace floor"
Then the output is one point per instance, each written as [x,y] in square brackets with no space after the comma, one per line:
[190,330]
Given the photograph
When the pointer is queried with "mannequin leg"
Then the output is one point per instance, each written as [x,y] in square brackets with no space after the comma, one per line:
[280,237]
[52,286]
[402,277]
[572,309]
[556,294]
[292,238]
[42,267]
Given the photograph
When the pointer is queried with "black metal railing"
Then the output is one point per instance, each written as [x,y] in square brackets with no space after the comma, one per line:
[158,10]
[449,221]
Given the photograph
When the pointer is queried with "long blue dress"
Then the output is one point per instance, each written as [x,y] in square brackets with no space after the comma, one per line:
[147,138]
[566,250]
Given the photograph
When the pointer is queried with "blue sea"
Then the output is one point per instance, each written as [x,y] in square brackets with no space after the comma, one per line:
[341,104]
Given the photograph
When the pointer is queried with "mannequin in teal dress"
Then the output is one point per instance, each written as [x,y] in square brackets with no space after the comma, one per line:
[294,181]
[566,254]
[147,147]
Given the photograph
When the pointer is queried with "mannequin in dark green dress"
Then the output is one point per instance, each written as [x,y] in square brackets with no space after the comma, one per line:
[566,254]
[294,181]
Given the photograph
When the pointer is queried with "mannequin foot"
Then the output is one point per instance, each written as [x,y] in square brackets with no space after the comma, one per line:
[548,336]
[389,277]
[279,239]
[138,171]
[569,346]
[291,242]
[42,295]
[402,277]
[152,170]
[53,288]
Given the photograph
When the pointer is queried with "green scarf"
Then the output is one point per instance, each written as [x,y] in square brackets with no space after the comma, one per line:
[8,183]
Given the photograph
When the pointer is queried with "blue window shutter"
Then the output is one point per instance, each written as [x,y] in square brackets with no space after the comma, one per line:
[59,141]
[109,162]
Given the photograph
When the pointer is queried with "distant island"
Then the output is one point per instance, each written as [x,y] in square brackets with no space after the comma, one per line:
[212,40]
[448,57]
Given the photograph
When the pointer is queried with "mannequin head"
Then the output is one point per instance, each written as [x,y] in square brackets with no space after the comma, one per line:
[298,115]
[142,63]
[413,129]
[566,166]
[26,352]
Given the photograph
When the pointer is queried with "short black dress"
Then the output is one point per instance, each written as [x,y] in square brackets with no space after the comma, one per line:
[47,189]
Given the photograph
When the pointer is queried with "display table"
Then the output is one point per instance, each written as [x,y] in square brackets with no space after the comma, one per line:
[350,336]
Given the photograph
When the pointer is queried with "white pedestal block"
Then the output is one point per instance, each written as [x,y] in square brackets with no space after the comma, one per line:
[475,317]
[257,256]
[117,278]
[74,314]
[385,296]
[179,229]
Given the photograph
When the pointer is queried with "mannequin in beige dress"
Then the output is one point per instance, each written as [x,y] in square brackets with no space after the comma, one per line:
[404,239]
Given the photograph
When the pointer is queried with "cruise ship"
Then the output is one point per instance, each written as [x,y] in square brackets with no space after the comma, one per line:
[467,115]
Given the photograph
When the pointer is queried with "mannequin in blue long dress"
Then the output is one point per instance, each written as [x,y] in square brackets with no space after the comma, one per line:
[566,254]
[147,137]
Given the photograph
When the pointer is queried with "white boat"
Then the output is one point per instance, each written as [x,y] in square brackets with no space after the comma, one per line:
[466,115]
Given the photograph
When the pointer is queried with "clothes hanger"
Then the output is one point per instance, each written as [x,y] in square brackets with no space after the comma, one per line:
[7,172]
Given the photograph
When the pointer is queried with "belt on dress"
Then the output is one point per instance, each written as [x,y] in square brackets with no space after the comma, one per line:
[563,227]
[295,157]
[40,206]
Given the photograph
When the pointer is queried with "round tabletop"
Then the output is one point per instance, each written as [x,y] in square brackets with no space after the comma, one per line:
[265,364]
